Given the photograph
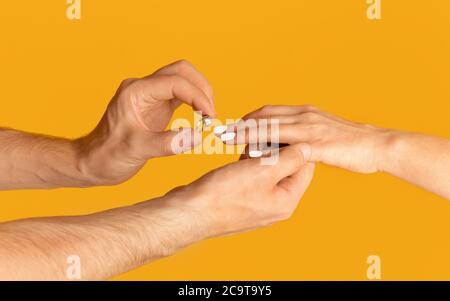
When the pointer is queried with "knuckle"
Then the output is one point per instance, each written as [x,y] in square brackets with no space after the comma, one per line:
[318,129]
[128,88]
[310,108]
[183,64]
[126,82]
[311,117]
[174,79]
[368,126]
[269,107]
[265,109]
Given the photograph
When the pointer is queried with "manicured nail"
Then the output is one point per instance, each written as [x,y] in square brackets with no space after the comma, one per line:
[204,123]
[255,154]
[207,122]
[220,129]
[228,136]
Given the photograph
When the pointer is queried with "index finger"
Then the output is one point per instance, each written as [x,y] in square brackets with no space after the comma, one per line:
[185,69]
[169,87]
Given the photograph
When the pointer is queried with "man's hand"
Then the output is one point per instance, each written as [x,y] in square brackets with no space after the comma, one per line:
[133,128]
[132,131]
[248,194]
[238,197]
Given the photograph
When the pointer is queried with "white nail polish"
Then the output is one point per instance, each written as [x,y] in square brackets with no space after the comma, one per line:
[220,129]
[207,122]
[255,154]
[227,136]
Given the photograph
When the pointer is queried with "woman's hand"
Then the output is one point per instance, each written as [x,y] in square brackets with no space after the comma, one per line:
[333,140]
[419,159]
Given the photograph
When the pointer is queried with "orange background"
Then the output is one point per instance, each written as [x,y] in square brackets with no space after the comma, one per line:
[57,77]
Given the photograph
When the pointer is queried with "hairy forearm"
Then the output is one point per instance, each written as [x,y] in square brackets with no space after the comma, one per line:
[419,159]
[30,161]
[107,243]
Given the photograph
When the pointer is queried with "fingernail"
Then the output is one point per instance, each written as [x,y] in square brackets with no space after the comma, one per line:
[220,129]
[204,123]
[306,151]
[255,154]
[207,122]
[228,136]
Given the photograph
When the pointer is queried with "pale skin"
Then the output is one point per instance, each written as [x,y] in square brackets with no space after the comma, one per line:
[109,243]
[419,159]
[225,201]
[131,132]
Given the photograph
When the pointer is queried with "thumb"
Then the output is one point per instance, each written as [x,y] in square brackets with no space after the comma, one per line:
[297,183]
[289,160]
[176,141]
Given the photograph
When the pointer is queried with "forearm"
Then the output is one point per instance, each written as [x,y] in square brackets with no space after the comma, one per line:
[419,159]
[107,243]
[34,161]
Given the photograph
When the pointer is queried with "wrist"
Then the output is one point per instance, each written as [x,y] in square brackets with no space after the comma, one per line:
[174,222]
[83,163]
[388,154]
[203,206]
[102,158]
[93,159]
